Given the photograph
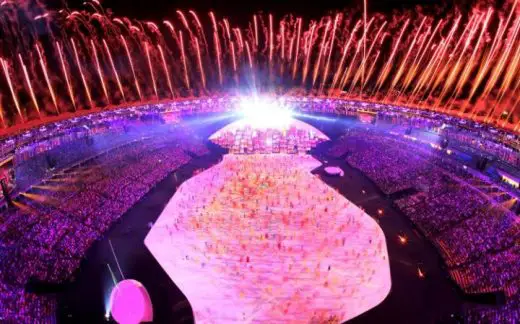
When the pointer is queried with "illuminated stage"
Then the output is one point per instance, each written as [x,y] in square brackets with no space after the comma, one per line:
[239,125]
[246,136]
[258,238]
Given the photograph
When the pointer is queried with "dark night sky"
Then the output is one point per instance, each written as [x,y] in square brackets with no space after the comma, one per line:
[159,9]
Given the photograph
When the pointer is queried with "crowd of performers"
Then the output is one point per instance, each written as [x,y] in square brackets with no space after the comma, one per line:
[274,240]
[251,140]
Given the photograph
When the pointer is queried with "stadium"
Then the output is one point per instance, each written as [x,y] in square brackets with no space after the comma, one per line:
[358,167]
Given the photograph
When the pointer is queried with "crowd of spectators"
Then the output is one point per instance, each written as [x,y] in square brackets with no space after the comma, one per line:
[54,223]
[509,313]
[32,170]
[466,217]
[482,142]
[47,234]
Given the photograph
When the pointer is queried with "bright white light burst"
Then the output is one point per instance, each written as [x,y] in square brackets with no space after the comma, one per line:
[263,113]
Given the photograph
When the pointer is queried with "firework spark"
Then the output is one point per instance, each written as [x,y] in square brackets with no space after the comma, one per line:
[466,65]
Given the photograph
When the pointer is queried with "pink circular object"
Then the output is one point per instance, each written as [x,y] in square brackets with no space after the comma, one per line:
[130,303]
[334,171]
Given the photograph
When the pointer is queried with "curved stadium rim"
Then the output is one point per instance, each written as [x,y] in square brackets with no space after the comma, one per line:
[353,105]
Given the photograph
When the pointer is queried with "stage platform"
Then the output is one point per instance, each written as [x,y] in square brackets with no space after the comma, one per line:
[258,238]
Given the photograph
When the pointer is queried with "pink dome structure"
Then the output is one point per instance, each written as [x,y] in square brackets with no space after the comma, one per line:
[131,303]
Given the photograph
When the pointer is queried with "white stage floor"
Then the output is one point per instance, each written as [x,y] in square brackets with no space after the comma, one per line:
[258,238]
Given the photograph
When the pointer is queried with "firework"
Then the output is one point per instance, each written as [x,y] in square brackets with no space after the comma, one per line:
[47,80]
[29,85]
[464,65]
[114,70]
[5,67]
